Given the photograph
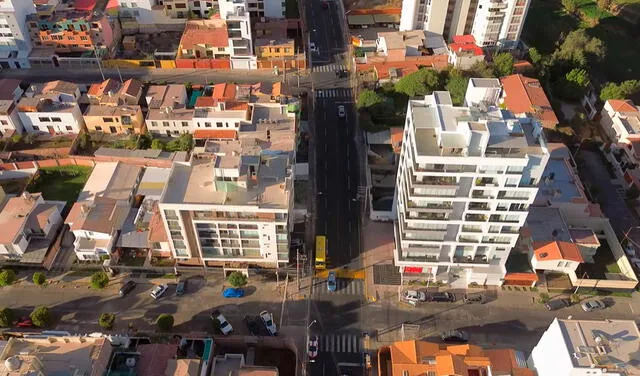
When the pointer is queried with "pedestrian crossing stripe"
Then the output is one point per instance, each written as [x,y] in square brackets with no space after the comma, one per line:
[343,287]
[333,93]
[329,68]
[340,343]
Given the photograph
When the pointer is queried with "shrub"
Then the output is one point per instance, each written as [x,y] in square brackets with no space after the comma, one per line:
[7,277]
[165,322]
[157,144]
[6,317]
[237,279]
[575,298]
[40,316]
[39,278]
[544,297]
[106,320]
[99,280]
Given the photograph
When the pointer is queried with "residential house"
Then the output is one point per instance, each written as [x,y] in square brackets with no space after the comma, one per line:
[275,48]
[168,113]
[205,39]
[52,107]
[66,28]
[55,355]
[240,33]
[15,42]
[231,205]
[204,8]
[123,119]
[417,358]
[10,92]
[525,97]
[620,119]
[401,45]
[463,52]
[102,208]
[29,225]
[112,92]
[150,16]
[587,347]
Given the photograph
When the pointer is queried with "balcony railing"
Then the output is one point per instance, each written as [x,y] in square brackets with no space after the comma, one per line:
[478,259]
[479,206]
[476,218]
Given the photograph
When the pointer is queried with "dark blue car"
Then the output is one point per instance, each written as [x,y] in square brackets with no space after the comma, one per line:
[232,292]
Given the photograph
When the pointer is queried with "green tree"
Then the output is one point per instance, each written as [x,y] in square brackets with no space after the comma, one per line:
[106,320]
[99,280]
[604,4]
[573,85]
[165,322]
[6,317]
[185,142]
[84,141]
[39,278]
[481,69]
[623,90]
[7,277]
[570,6]
[579,49]
[237,279]
[411,85]
[144,141]
[157,144]
[535,56]
[575,298]
[40,316]
[457,86]
[369,98]
[503,64]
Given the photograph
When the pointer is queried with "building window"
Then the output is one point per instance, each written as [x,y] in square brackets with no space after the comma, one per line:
[56,119]
[44,119]
[181,6]
[154,124]
[219,124]
[36,128]
[98,128]
[169,7]
[69,128]
[220,49]
[185,123]
[207,124]
[4,122]
[107,120]
[165,123]
[176,132]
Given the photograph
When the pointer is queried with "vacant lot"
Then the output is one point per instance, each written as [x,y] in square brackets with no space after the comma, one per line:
[62,183]
[547,22]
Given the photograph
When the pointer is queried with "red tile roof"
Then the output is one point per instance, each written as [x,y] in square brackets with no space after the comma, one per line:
[464,39]
[526,95]
[131,87]
[236,106]
[195,34]
[396,138]
[477,51]
[622,105]
[205,102]
[86,5]
[224,91]
[215,133]
[104,87]
[557,250]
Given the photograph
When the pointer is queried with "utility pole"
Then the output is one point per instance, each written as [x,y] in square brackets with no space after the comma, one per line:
[98,60]
[119,74]
[298,269]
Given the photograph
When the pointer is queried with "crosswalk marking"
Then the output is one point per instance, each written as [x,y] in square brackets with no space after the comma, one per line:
[333,93]
[340,343]
[329,68]
[343,287]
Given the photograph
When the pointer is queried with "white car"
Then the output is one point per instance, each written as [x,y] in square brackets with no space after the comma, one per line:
[267,318]
[158,291]
[413,297]
[313,48]
[593,305]
[341,112]
[313,348]
[225,327]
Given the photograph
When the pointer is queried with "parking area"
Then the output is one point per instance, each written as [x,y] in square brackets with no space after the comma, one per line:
[606,190]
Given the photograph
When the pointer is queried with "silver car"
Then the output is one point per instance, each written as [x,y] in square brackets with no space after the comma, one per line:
[593,305]
[413,297]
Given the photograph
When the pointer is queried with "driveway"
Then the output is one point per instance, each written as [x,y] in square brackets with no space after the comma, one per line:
[610,195]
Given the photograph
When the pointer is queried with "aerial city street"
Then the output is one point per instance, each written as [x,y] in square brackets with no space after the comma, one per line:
[319,187]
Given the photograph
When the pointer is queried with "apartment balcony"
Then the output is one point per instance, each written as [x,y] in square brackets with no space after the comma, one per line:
[514,171]
[429,216]
[466,239]
[430,207]
[447,194]
[471,229]
[504,196]
[476,218]
[497,218]
[231,34]
[479,206]
[206,234]
[495,241]
[434,182]
[510,230]
[425,258]
[464,259]
[445,169]
[486,182]
[481,195]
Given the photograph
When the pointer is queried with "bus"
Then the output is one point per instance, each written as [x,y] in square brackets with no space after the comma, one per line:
[321,252]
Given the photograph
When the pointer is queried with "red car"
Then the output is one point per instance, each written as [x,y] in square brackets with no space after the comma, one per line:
[24,322]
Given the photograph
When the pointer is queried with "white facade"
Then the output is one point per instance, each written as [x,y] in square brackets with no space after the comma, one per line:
[148,15]
[483,91]
[15,43]
[499,21]
[445,17]
[587,348]
[464,184]
[236,14]
[68,120]
[9,119]
[620,120]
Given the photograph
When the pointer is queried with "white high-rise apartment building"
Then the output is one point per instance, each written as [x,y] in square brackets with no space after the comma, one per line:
[489,21]
[236,14]
[15,43]
[499,21]
[445,17]
[466,178]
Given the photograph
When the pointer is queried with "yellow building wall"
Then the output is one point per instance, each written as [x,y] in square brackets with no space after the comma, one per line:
[137,124]
[270,51]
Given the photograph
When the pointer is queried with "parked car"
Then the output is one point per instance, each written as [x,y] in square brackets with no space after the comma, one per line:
[181,288]
[413,296]
[554,304]
[267,319]
[158,291]
[474,298]
[593,305]
[24,322]
[313,48]
[232,292]
[456,336]
[252,326]
[341,111]
[225,327]
[312,349]
[441,297]
[332,281]
[126,288]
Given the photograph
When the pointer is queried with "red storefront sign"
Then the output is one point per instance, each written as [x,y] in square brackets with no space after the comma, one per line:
[412,269]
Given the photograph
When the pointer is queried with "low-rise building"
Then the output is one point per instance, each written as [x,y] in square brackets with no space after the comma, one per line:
[205,39]
[112,92]
[122,119]
[168,113]
[587,347]
[29,223]
[417,358]
[399,45]
[463,52]
[10,92]
[275,48]
[52,107]
[525,97]
[15,43]
[55,355]
[620,119]
[149,16]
